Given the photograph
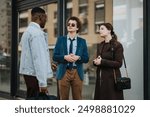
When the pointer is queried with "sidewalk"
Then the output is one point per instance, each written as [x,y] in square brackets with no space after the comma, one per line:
[1,98]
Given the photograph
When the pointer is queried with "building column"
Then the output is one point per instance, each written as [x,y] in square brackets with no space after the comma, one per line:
[14,49]
[146,33]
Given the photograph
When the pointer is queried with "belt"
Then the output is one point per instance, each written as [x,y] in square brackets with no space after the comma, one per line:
[74,67]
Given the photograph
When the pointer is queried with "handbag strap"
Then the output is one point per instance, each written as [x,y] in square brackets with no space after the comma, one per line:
[125,66]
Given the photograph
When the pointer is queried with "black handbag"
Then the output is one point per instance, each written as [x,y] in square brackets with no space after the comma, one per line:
[122,83]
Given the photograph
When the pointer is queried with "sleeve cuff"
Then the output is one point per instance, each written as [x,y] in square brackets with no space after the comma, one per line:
[79,58]
[42,85]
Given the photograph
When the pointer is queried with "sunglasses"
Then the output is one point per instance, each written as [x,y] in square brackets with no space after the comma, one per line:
[71,24]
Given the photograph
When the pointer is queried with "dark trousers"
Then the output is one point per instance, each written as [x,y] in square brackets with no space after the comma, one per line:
[32,86]
[70,79]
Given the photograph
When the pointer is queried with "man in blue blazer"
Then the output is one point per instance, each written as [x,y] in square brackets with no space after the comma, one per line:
[70,53]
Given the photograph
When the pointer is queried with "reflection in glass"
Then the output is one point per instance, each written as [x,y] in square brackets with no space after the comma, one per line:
[69,8]
[5,45]
[128,23]
[79,8]
[83,12]
[99,14]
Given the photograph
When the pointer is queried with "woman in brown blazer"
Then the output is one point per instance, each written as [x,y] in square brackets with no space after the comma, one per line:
[109,58]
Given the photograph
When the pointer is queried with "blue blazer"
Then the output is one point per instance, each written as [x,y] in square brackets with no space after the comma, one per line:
[61,50]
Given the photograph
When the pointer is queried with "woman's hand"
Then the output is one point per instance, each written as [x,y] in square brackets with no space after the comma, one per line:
[97,61]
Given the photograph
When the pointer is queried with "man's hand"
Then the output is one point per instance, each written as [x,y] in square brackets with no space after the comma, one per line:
[71,58]
[43,89]
[54,66]
[75,57]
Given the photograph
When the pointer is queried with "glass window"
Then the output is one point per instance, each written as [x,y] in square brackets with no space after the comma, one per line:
[23,22]
[128,24]
[69,0]
[83,1]
[99,14]
[69,8]
[5,45]
[83,12]
[69,12]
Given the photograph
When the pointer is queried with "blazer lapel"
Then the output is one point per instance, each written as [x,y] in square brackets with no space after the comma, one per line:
[65,45]
[78,46]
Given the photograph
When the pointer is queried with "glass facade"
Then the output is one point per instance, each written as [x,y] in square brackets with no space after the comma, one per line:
[128,24]
[5,45]
[126,17]
[51,29]
[99,14]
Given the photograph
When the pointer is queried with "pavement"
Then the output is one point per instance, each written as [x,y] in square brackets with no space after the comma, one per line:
[1,98]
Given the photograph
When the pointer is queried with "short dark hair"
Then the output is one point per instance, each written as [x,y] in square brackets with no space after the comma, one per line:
[77,20]
[37,10]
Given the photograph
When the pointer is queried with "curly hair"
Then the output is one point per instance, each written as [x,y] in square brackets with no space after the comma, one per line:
[77,20]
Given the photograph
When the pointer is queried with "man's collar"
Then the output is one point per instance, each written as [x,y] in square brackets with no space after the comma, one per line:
[34,23]
[72,38]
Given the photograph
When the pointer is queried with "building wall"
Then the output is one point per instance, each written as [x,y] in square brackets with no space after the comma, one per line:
[5,23]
